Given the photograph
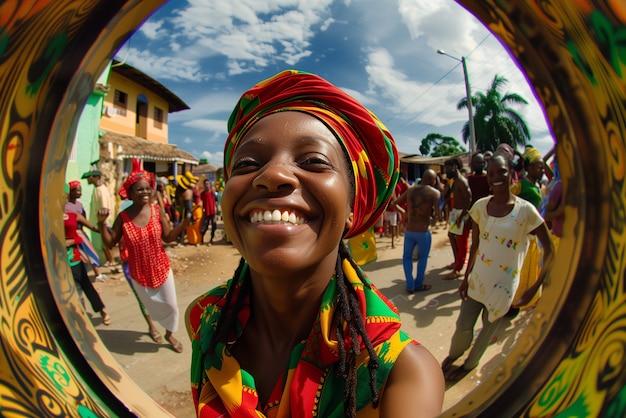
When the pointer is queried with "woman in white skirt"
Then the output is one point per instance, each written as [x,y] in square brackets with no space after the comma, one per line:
[144,226]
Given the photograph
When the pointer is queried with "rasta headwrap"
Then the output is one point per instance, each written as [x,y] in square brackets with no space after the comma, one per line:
[74,184]
[372,150]
[136,175]
[531,154]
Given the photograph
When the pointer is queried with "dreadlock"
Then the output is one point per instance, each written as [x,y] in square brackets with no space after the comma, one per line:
[228,317]
[347,312]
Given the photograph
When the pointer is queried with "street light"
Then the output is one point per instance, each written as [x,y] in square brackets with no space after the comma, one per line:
[468,93]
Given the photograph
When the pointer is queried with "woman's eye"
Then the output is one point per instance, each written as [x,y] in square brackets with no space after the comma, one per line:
[244,164]
[315,162]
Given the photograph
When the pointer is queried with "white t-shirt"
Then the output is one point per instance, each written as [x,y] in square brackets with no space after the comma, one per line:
[503,244]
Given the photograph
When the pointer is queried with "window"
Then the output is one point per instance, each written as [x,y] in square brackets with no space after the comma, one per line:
[158,118]
[120,102]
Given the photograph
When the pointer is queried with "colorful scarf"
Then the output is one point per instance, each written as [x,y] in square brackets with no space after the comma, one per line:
[136,175]
[369,144]
[310,387]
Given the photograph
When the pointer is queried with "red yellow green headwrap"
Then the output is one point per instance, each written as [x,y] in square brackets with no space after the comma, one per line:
[369,144]
[136,175]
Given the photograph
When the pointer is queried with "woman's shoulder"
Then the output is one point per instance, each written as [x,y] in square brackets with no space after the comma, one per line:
[415,367]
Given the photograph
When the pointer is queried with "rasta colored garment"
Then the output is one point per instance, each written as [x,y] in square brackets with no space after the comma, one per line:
[369,145]
[309,387]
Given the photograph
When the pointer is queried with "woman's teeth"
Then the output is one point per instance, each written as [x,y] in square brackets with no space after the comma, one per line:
[276,216]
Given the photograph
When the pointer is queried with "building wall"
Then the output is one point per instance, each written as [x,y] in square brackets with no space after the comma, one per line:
[122,123]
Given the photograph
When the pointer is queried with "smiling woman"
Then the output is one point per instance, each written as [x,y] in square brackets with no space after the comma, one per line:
[570,357]
[292,328]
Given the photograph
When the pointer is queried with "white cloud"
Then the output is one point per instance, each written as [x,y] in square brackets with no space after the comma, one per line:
[209,125]
[152,30]
[215,158]
[162,67]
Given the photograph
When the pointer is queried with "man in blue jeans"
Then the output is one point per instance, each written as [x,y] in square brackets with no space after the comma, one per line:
[422,212]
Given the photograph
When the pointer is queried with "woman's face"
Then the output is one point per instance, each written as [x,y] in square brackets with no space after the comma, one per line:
[140,192]
[76,193]
[535,170]
[498,175]
[287,202]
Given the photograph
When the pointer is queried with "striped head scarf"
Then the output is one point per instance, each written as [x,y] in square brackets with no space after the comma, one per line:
[370,146]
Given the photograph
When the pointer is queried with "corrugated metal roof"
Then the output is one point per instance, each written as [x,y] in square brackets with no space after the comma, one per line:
[135,147]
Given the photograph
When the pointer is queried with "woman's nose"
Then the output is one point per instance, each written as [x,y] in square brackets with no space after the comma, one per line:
[276,177]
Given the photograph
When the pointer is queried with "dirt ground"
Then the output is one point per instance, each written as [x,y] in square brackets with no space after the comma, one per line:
[428,317]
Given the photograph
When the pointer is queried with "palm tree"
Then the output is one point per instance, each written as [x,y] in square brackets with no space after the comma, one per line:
[494,121]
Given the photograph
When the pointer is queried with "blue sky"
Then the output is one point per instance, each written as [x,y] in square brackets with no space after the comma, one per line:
[381,52]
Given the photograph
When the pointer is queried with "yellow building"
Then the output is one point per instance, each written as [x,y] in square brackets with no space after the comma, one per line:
[134,124]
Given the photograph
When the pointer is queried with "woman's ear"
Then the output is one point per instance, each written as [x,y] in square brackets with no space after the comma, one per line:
[349,221]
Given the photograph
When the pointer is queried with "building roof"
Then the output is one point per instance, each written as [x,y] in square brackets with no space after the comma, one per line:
[421,159]
[204,168]
[175,103]
[135,147]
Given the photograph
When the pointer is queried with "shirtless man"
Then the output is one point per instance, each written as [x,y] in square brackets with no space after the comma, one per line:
[458,230]
[422,212]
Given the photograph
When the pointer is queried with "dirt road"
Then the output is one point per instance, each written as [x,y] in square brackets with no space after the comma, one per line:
[428,317]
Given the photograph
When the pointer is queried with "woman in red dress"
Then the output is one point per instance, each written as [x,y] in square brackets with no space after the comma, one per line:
[144,226]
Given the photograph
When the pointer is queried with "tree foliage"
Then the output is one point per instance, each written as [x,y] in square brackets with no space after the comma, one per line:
[203,161]
[440,145]
[495,121]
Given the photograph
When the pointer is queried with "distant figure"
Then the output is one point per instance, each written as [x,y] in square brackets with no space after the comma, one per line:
[101,198]
[71,221]
[86,248]
[401,187]
[528,188]
[188,199]
[209,207]
[422,211]
[458,230]
[478,179]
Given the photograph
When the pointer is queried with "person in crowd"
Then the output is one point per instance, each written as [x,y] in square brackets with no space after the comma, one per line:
[477,181]
[162,197]
[144,226]
[209,207]
[188,199]
[152,330]
[73,240]
[528,188]
[85,247]
[458,230]
[300,330]
[100,198]
[500,229]
[422,211]
[390,220]
[401,187]
[555,208]
[487,155]
[170,190]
